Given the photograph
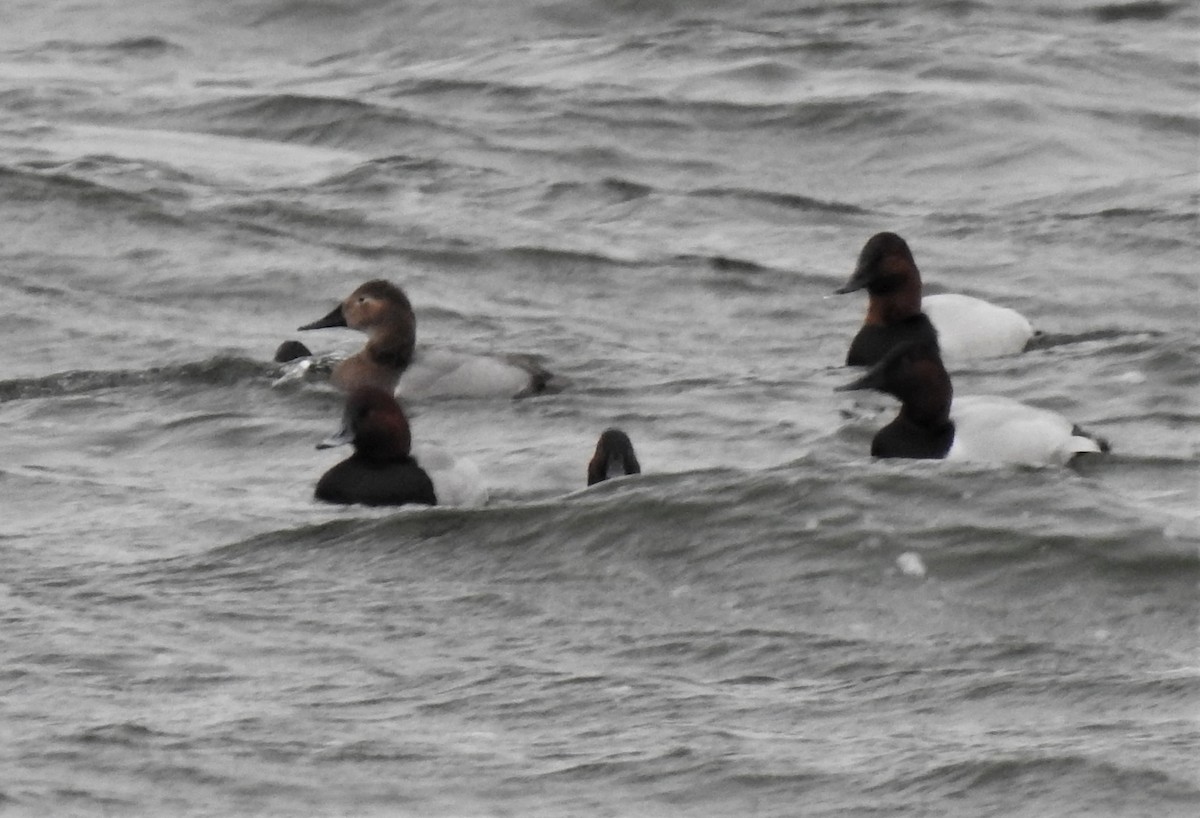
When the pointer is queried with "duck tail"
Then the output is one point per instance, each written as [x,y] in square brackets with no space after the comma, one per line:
[541,380]
[1083,441]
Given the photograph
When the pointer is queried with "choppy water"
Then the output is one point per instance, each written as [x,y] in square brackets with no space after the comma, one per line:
[658,198]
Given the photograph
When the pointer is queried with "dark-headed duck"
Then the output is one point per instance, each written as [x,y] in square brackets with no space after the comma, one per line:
[964,327]
[384,471]
[614,457]
[933,424]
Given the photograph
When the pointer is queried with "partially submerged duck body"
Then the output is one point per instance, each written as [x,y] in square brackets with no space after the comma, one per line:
[614,457]
[384,469]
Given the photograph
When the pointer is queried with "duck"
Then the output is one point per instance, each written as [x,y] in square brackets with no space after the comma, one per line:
[614,457]
[384,470]
[964,327]
[392,361]
[933,424]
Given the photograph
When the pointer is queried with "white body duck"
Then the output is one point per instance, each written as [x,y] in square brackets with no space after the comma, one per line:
[964,327]
[391,360]
[932,424]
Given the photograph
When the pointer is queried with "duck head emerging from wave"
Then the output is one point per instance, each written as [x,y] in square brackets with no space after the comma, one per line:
[614,457]
[381,310]
[933,424]
[382,470]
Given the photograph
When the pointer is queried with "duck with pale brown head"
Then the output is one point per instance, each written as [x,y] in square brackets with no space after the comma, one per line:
[383,312]
[391,359]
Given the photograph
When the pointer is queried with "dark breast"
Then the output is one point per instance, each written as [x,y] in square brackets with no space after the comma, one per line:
[902,438]
[876,340]
[356,480]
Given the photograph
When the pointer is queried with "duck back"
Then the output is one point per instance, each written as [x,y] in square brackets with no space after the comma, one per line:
[438,373]
[394,483]
[969,327]
[1003,430]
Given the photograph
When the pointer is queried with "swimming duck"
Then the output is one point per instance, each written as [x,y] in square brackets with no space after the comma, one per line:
[614,457]
[384,471]
[932,424]
[963,327]
[390,359]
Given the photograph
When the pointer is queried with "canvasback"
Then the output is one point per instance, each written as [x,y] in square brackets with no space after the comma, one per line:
[391,360]
[933,424]
[384,470]
[963,326]
[614,457]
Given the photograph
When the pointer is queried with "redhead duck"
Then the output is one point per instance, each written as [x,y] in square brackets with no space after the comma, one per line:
[932,424]
[384,471]
[390,359]
[614,457]
[962,326]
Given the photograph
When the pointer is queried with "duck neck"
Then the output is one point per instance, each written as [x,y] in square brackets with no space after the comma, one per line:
[895,294]
[386,441]
[391,344]
[362,369]
[929,407]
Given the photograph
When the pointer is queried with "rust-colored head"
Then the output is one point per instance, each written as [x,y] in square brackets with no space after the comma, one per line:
[888,272]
